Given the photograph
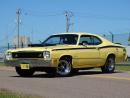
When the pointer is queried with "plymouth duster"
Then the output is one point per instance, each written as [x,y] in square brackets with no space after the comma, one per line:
[66,53]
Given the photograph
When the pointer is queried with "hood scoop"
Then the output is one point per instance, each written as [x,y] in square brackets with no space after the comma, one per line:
[35,45]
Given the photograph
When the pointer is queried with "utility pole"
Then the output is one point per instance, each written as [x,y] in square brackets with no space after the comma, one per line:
[7,38]
[18,23]
[68,15]
[32,33]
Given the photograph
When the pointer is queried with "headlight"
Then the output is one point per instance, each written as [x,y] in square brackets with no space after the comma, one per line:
[8,55]
[46,54]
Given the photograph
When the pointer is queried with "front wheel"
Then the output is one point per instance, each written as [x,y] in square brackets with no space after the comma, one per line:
[109,66]
[64,68]
[23,72]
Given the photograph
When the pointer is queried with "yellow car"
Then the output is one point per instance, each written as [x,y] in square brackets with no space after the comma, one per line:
[65,53]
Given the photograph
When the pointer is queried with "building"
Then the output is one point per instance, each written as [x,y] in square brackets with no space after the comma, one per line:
[23,41]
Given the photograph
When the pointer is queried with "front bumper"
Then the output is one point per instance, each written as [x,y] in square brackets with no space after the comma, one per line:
[32,63]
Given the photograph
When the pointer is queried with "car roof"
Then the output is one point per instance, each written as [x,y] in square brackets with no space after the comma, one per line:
[85,33]
[78,33]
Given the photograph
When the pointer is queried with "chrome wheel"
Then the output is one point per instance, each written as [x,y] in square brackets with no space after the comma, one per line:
[64,68]
[109,66]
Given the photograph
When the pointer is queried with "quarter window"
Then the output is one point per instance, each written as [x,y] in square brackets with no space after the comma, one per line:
[85,39]
[96,41]
[89,40]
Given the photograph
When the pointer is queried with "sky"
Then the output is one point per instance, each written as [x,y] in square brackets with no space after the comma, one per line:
[41,18]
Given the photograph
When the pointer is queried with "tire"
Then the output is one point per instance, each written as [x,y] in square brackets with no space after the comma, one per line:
[23,72]
[109,66]
[64,68]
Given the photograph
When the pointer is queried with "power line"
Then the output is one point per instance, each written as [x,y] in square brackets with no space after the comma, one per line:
[78,14]
[69,14]
[41,14]
[98,16]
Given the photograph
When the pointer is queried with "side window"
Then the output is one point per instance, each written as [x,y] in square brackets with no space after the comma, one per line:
[96,41]
[86,39]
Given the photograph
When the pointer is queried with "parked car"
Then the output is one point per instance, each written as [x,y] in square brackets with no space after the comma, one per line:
[128,52]
[65,53]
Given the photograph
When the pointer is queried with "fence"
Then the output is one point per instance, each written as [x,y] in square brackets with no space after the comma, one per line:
[123,38]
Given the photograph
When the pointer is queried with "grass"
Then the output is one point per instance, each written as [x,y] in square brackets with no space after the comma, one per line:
[2,64]
[123,67]
[9,94]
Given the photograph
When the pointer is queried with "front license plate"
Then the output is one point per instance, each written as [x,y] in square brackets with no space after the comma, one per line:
[24,66]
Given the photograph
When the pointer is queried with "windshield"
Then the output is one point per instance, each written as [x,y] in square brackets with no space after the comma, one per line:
[70,39]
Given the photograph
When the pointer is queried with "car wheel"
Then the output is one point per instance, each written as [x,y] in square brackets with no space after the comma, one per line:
[23,72]
[64,68]
[109,66]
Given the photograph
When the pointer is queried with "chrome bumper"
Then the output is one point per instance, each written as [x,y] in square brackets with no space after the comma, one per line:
[32,63]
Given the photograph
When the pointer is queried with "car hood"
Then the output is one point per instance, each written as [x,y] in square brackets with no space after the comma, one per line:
[44,48]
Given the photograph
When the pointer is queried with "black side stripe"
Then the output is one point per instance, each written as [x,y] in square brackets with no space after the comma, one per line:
[111,46]
[73,49]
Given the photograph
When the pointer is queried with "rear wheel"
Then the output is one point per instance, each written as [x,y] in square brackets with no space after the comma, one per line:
[24,72]
[109,66]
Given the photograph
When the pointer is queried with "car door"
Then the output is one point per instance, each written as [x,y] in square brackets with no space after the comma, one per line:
[89,54]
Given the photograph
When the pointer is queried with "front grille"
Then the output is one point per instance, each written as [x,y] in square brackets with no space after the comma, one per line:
[27,55]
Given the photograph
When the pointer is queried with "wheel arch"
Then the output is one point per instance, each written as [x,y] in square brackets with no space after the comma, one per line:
[66,57]
[111,55]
